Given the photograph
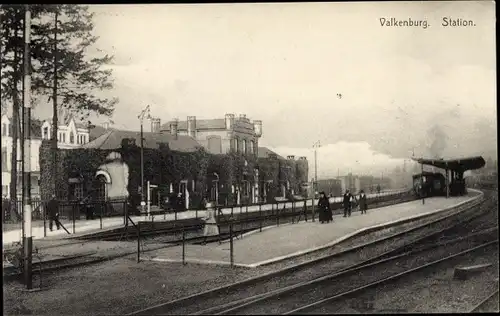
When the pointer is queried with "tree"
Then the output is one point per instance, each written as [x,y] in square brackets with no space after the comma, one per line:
[60,41]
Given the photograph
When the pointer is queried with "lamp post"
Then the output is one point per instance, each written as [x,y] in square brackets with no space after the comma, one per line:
[216,189]
[316,145]
[144,114]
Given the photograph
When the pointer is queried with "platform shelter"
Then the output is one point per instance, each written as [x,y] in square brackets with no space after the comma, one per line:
[454,171]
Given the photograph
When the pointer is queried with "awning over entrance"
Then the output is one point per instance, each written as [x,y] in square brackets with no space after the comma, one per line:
[462,164]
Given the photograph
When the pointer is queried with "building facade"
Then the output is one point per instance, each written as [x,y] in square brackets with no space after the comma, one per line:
[71,135]
[218,136]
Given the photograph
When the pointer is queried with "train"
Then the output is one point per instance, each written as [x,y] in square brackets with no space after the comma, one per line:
[429,184]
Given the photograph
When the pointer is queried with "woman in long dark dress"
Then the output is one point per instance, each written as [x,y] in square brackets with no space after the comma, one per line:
[325,211]
[363,206]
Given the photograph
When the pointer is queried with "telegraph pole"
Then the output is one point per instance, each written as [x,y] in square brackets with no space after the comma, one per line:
[28,240]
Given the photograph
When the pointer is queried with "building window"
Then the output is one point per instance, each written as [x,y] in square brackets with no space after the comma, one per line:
[244,145]
[237,144]
[4,129]
[71,138]
[46,133]
[4,160]
[251,146]
[63,137]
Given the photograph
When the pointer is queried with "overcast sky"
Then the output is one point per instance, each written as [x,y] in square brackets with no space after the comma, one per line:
[286,63]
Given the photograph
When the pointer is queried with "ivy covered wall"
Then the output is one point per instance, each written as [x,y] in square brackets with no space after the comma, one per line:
[163,166]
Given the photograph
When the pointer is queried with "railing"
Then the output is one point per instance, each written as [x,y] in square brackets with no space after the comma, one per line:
[75,217]
[234,222]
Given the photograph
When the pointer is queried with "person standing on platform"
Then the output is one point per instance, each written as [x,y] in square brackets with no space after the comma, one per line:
[53,210]
[347,203]
[325,211]
[362,202]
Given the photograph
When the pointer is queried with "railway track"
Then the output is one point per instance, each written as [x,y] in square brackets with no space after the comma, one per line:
[487,305]
[297,299]
[173,234]
[210,301]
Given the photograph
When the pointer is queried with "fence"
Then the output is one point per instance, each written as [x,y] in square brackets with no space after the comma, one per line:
[71,214]
[234,222]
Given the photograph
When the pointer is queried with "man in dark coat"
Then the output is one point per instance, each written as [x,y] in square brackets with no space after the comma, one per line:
[363,206]
[347,203]
[53,212]
[325,211]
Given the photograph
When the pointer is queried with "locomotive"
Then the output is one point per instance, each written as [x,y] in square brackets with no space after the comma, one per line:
[429,184]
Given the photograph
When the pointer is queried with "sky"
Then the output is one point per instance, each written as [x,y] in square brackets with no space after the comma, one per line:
[285,64]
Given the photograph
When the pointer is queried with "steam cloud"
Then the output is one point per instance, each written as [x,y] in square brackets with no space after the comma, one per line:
[438,138]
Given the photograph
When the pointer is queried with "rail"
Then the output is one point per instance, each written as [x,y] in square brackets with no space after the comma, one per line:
[396,243]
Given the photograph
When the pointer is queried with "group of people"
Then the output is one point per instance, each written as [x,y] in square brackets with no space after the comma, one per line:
[325,210]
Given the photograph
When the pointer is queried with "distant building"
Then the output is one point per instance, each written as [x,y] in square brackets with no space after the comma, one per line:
[330,186]
[218,136]
[350,182]
[70,135]
[370,183]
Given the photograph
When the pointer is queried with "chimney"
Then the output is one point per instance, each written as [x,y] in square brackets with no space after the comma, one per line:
[173,127]
[191,126]
[229,121]
[243,116]
[155,125]
[257,126]
[303,158]
[291,157]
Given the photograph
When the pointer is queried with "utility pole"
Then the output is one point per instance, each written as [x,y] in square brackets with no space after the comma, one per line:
[28,241]
[144,113]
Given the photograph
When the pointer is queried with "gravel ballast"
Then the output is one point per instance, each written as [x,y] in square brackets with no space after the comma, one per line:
[428,291]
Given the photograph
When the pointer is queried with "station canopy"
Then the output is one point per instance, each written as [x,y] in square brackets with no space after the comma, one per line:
[462,164]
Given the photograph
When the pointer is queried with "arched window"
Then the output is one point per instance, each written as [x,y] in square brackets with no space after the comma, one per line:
[100,187]
[71,138]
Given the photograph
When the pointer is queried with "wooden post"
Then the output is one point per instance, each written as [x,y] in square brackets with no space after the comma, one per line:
[231,249]
[138,242]
[183,246]
[260,216]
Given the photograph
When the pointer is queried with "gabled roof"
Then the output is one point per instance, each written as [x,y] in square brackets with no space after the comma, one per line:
[463,164]
[66,122]
[112,139]
[200,124]
[97,131]
[265,152]
[36,127]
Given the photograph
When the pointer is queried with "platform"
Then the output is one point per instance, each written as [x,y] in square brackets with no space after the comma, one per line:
[291,240]
[11,235]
